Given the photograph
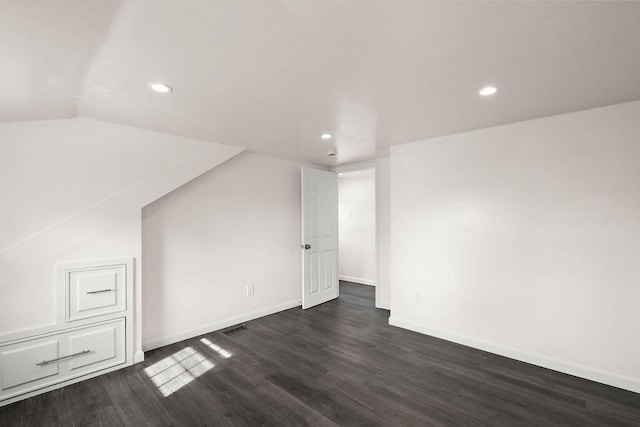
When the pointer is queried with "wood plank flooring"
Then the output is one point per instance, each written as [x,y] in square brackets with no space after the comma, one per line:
[336,364]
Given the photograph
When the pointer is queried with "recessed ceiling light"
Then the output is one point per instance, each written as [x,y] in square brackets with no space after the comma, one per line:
[488,90]
[160,87]
[326,136]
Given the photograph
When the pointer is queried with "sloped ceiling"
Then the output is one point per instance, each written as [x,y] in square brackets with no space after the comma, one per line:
[272,75]
[53,170]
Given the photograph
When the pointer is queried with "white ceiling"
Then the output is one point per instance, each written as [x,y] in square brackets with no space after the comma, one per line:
[272,75]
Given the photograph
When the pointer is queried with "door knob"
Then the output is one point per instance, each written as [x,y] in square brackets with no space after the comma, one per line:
[305,246]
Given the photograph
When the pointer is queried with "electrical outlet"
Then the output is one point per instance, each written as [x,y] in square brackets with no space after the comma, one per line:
[250,290]
[418,297]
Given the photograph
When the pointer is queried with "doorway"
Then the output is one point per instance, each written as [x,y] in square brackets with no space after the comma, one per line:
[318,218]
[358,225]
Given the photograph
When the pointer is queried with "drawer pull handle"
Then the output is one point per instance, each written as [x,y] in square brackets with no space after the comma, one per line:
[100,291]
[46,362]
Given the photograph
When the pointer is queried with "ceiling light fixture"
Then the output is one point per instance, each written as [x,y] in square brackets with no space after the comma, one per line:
[488,90]
[160,87]
[326,136]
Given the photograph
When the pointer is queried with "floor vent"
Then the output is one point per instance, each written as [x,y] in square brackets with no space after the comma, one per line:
[234,329]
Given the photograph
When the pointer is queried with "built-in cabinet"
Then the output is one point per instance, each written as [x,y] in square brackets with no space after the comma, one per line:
[93,333]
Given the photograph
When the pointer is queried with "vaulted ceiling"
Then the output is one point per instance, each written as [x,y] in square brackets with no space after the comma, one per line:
[272,75]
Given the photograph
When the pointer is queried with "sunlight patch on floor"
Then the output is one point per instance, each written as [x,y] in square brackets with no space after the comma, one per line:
[174,372]
[215,347]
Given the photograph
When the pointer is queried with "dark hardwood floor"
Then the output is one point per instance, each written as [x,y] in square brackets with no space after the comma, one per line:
[336,364]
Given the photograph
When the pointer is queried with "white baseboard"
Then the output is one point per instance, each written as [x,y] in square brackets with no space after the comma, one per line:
[200,330]
[604,377]
[138,357]
[359,280]
[385,305]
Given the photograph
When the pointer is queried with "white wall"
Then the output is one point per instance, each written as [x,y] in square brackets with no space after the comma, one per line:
[204,243]
[357,226]
[73,190]
[525,240]
[384,233]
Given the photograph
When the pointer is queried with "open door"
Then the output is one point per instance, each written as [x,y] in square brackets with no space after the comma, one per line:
[320,237]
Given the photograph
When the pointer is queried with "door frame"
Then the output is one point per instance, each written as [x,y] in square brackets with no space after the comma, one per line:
[355,167]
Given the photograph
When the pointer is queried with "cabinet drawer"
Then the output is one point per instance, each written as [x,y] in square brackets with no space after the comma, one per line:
[20,363]
[38,362]
[96,291]
[102,345]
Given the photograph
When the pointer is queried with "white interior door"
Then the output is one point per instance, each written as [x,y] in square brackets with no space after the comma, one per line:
[320,237]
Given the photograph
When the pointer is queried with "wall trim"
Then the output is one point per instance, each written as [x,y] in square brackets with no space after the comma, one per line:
[215,326]
[138,357]
[385,305]
[358,280]
[356,167]
[582,371]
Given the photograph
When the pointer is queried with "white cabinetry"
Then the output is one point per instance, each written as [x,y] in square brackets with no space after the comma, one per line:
[93,334]
[95,291]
